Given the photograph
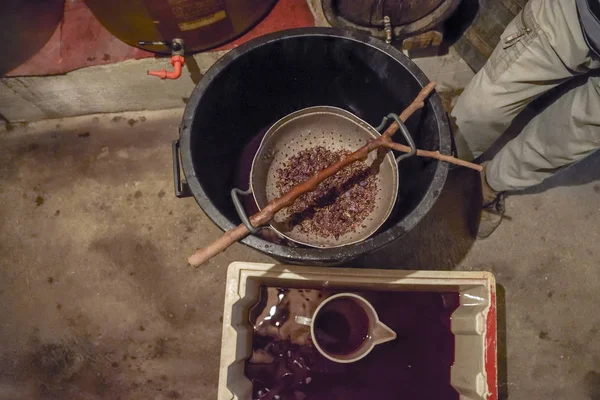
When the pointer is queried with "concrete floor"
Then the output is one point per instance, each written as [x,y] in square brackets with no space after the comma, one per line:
[97,302]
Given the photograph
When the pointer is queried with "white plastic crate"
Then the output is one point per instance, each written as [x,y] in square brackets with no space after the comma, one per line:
[474,373]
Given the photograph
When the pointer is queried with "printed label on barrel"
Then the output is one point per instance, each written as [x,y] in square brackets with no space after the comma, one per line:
[194,14]
[199,23]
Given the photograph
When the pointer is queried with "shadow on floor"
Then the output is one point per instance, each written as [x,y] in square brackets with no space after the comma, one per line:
[193,68]
[443,238]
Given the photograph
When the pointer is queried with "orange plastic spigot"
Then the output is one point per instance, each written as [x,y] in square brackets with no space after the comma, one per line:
[177,62]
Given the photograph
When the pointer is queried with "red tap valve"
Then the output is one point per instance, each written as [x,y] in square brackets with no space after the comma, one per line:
[177,62]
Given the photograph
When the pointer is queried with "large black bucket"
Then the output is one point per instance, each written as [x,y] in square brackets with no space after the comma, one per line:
[265,79]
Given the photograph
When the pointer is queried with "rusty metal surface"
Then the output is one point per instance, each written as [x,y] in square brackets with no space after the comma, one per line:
[19,42]
[202,24]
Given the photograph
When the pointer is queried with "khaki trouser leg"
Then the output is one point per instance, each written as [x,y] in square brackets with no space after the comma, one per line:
[548,51]
[565,132]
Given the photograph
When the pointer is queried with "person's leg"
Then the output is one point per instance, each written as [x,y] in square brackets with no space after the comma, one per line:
[565,132]
[540,49]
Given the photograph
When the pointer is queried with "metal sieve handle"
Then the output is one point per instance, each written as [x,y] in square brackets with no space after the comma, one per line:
[240,208]
[405,133]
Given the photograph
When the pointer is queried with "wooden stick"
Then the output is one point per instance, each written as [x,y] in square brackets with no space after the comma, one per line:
[436,155]
[264,216]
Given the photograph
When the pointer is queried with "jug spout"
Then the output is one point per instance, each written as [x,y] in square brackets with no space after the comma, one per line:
[382,333]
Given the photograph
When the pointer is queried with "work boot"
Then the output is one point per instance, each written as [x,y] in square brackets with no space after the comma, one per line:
[492,209]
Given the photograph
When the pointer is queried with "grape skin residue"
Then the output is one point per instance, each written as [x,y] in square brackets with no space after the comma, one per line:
[339,205]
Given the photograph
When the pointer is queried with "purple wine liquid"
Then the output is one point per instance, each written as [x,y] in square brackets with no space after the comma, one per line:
[341,327]
[416,366]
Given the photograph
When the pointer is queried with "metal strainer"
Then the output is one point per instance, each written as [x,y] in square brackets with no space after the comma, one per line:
[335,129]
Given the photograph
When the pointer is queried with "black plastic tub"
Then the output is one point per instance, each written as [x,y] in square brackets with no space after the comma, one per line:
[259,82]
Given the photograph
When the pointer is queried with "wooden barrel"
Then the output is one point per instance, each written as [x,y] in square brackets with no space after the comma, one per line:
[481,36]
[407,17]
